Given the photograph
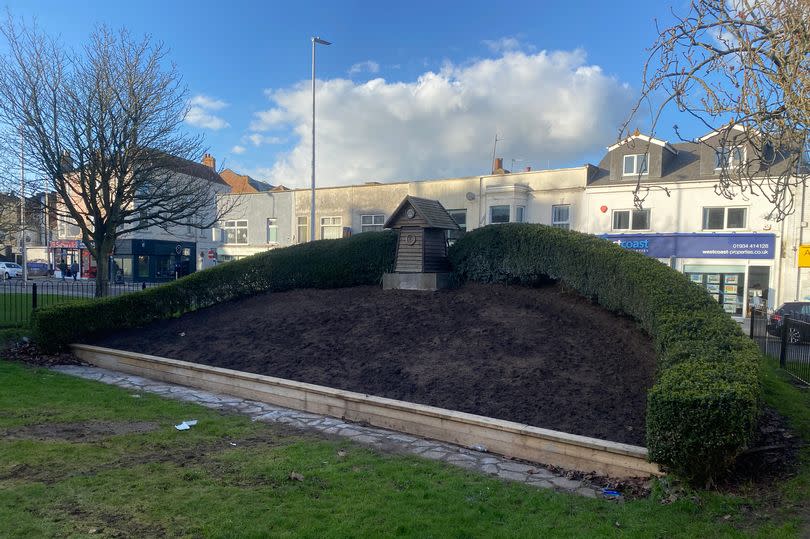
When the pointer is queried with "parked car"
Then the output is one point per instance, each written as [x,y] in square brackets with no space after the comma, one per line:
[38,269]
[796,310]
[10,269]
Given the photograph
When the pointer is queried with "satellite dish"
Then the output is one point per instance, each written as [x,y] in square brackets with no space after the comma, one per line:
[470,195]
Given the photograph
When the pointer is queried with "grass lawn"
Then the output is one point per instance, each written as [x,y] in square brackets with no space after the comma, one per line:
[228,477]
[15,308]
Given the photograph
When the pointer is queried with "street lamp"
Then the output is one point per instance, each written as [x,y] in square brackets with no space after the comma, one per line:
[315,40]
[23,254]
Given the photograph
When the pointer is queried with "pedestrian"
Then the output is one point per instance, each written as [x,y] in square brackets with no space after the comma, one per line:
[63,268]
[74,269]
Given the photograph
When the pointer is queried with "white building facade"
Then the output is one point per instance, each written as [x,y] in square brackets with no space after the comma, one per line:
[730,247]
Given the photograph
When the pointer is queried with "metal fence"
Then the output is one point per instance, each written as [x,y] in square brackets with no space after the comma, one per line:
[19,298]
[786,339]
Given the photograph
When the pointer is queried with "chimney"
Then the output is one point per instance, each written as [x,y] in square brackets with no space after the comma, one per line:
[497,165]
[66,162]
[209,161]
[528,169]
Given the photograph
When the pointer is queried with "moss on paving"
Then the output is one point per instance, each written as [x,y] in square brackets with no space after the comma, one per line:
[228,477]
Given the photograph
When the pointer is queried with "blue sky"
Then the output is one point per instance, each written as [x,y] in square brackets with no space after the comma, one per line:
[554,79]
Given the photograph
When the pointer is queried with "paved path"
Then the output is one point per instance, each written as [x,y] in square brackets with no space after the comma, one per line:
[371,436]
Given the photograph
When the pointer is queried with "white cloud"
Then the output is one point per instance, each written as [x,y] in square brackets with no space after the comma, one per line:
[257,139]
[369,66]
[547,106]
[200,113]
[504,44]
[238,149]
[209,103]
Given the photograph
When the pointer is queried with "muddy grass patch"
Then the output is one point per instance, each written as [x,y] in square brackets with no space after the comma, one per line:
[86,431]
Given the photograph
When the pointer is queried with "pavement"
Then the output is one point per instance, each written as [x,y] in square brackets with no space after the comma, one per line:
[476,459]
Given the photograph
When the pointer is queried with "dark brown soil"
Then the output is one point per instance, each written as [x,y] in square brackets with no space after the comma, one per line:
[541,356]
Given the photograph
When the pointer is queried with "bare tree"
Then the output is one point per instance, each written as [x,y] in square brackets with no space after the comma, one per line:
[104,126]
[742,68]
[9,222]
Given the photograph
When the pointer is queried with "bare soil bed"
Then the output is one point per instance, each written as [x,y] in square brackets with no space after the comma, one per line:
[542,356]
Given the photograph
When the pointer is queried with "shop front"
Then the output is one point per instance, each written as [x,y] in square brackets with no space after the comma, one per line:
[735,269]
[151,260]
[74,254]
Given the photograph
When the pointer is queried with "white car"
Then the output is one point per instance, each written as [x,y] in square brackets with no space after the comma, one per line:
[9,270]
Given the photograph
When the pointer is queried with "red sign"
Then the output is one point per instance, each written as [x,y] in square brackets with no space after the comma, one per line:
[67,244]
[211,254]
[603,209]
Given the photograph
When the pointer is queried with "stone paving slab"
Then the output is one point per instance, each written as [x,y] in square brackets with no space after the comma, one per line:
[485,463]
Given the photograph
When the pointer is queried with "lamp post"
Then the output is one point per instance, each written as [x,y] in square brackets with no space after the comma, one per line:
[23,256]
[315,41]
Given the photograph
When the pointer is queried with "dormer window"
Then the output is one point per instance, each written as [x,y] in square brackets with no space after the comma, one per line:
[635,164]
[725,157]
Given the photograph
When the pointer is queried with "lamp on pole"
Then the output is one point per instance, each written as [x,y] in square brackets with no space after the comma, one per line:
[315,41]
[23,256]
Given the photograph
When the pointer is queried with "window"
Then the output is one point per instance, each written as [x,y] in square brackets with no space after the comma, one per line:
[726,157]
[143,266]
[460,217]
[236,232]
[722,218]
[635,164]
[631,219]
[561,216]
[331,228]
[202,232]
[302,229]
[520,214]
[272,231]
[499,214]
[372,223]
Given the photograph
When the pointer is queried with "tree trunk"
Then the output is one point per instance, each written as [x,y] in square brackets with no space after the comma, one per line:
[103,269]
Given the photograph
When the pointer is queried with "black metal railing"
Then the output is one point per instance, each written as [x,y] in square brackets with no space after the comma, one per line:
[19,298]
[784,338]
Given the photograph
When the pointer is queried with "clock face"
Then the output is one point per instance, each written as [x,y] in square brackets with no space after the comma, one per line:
[410,213]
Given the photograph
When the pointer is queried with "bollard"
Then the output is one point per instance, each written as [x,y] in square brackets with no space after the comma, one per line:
[33,296]
[751,328]
[783,350]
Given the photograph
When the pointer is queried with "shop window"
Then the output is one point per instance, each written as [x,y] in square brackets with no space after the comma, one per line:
[725,284]
[372,223]
[331,228]
[728,157]
[498,214]
[635,164]
[143,267]
[122,268]
[272,231]
[724,218]
[303,229]
[236,232]
[631,219]
[460,217]
[561,216]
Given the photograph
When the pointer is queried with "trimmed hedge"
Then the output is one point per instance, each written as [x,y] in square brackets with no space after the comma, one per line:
[703,408]
[354,261]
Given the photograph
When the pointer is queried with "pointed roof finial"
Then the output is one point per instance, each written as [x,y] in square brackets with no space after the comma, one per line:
[636,132]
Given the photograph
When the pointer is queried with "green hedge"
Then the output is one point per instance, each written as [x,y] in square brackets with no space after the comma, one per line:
[703,408]
[354,261]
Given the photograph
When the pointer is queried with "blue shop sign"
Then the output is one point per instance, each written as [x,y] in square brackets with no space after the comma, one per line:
[684,245]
